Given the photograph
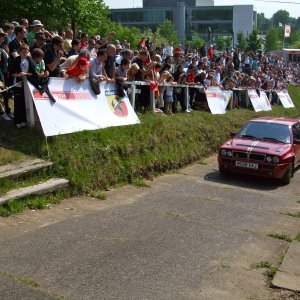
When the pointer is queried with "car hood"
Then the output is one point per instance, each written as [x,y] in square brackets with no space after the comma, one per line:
[266,147]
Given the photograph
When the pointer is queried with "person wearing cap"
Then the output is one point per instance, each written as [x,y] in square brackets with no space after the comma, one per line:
[118,56]
[40,42]
[79,70]
[37,26]
[72,60]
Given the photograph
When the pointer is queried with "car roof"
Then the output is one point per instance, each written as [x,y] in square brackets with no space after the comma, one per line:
[277,120]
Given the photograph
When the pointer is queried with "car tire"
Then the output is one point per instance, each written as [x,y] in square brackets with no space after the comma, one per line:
[287,177]
[223,172]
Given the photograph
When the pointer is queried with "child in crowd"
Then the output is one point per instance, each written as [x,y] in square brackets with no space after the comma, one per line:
[169,95]
[79,70]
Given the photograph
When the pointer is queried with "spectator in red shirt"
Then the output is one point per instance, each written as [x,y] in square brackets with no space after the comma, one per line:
[142,43]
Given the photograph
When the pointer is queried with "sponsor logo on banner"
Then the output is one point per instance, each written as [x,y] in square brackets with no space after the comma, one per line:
[61,95]
[116,104]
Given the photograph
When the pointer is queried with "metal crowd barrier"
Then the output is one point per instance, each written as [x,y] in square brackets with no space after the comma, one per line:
[133,90]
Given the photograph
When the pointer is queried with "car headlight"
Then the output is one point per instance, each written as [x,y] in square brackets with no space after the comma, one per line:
[223,152]
[275,159]
[229,153]
[269,159]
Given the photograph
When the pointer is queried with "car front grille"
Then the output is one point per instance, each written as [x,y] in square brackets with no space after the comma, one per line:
[250,156]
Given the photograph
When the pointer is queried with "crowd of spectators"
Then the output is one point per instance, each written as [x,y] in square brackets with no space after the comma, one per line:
[33,52]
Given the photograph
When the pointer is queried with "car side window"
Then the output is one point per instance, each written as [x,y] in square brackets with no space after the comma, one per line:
[296,131]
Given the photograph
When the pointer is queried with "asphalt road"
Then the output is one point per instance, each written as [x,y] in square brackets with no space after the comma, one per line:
[192,235]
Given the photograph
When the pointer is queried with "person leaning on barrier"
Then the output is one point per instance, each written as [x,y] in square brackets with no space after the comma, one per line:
[53,56]
[72,60]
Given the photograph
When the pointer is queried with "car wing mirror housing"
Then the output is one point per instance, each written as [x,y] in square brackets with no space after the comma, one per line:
[232,135]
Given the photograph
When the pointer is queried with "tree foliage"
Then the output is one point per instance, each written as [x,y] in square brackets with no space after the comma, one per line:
[168,31]
[272,39]
[195,42]
[86,14]
[281,16]
[254,41]
[220,43]
[242,41]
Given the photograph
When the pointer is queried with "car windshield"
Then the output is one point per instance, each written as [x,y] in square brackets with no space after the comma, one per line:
[273,132]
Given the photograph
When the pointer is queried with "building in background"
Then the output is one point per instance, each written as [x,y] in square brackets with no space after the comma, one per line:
[190,17]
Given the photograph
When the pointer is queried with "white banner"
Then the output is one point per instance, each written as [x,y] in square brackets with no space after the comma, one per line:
[285,99]
[261,103]
[227,97]
[287,30]
[77,108]
[217,102]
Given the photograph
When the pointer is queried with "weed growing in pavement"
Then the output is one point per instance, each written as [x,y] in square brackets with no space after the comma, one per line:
[261,265]
[281,236]
[295,215]
[297,237]
[270,272]
[98,194]
[139,182]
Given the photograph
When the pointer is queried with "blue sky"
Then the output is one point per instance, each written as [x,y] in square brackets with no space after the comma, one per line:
[268,8]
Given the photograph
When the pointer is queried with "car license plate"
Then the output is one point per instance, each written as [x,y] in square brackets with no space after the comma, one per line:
[243,164]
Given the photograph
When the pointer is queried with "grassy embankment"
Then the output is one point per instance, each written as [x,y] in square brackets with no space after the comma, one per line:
[97,160]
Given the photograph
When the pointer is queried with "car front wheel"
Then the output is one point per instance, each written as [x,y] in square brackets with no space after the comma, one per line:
[287,177]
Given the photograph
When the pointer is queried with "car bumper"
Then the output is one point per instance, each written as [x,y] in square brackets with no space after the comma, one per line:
[227,164]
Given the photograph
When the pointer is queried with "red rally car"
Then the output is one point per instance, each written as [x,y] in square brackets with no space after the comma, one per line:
[268,147]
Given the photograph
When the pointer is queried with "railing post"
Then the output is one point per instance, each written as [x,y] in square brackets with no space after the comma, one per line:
[187,98]
[230,101]
[132,96]
[152,100]
[29,104]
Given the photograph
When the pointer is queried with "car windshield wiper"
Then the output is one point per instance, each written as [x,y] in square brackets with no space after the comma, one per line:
[249,136]
[273,139]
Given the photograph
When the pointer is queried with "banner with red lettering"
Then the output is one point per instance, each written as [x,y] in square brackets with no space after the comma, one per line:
[217,100]
[77,108]
[259,103]
[285,99]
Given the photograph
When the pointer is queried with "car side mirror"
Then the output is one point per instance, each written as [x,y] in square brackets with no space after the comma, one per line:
[232,135]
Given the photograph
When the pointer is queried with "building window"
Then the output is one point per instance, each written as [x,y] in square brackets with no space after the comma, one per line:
[212,14]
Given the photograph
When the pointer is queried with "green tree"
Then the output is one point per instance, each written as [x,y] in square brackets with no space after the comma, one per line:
[281,16]
[86,14]
[242,41]
[254,41]
[168,31]
[220,42]
[263,24]
[195,42]
[131,34]
[228,41]
[272,39]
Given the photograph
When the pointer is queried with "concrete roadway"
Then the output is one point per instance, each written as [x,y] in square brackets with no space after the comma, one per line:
[192,235]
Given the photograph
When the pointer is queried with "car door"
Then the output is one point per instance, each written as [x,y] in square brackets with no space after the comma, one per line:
[296,137]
